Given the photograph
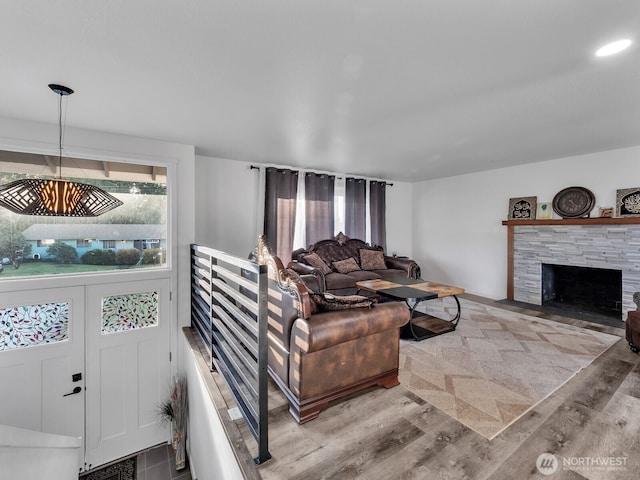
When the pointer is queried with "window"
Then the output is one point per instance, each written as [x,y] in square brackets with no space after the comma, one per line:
[45,243]
[303,209]
[135,234]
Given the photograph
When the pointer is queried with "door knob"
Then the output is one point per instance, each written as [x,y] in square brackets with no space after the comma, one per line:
[75,390]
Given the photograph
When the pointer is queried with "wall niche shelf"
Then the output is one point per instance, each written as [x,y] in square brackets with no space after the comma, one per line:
[510,224]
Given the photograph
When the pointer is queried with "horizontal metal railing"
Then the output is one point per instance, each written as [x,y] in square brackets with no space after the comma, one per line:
[229,313]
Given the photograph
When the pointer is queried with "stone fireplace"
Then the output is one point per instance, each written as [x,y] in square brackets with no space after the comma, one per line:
[606,244]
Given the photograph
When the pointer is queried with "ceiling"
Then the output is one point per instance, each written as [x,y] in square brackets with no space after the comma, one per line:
[409,90]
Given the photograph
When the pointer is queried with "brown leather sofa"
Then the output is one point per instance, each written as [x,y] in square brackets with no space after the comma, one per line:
[341,248]
[316,358]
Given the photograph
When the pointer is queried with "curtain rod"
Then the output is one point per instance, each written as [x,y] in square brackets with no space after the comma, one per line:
[254,167]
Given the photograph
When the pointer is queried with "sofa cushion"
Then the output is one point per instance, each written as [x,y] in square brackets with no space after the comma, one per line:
[328,302]
[392,273]
[361,275]
[347,265]
[332,250]
[314,260]
[372,259]
[336,281]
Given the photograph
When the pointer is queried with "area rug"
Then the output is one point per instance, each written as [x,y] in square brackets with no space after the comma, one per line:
[123,470]
[497,365]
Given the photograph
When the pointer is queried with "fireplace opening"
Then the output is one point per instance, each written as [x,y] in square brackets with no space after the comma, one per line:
[585,289]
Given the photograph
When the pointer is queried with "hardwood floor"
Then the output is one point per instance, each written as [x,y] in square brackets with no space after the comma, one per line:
[393,434]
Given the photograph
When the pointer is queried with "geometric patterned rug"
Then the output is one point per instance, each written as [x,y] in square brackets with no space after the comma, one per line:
[496,365]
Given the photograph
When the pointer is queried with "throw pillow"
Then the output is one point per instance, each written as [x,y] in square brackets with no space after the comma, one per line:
[314,260]
[329,302]
[372,259]
[346,266]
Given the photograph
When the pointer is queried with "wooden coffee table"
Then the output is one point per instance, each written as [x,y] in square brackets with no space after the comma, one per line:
[413,292]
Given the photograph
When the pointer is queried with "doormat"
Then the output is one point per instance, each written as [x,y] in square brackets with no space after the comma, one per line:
[124,470]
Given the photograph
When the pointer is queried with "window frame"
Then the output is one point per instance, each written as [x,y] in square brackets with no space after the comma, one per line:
[108,244]
[170,162]
[84,242]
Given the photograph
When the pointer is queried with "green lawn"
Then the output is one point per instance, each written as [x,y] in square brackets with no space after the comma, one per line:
[50,268]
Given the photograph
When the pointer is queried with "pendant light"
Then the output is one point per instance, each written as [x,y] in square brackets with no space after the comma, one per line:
[56,197]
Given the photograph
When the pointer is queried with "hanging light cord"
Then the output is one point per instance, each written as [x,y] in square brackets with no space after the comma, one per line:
[60,135]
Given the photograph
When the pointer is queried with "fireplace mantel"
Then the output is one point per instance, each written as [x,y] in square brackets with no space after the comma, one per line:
[574,221]
[511,224]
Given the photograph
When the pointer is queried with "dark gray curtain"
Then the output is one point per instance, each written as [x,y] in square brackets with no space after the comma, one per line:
[378,209]
[355,201]
[280,210]
[319,206]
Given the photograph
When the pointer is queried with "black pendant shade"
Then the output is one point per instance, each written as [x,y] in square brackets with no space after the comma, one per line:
[56,197]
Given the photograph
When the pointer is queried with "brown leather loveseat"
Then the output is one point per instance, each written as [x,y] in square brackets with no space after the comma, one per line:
[319,356]
[340,262]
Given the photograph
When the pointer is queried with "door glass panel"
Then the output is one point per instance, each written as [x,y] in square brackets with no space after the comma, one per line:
[121,313]
[30,325]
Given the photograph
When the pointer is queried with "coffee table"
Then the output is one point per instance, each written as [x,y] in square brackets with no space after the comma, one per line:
[413,292]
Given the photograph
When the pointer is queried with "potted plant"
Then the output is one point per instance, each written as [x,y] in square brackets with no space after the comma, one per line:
[174,410]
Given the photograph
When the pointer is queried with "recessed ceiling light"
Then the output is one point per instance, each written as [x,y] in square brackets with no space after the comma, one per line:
[613,47]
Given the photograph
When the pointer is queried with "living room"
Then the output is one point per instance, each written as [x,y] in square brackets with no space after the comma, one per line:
[452,226]
[458,137]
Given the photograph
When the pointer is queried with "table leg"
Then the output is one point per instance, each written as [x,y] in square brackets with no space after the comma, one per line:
[456,319]
[420,333]
[412,309]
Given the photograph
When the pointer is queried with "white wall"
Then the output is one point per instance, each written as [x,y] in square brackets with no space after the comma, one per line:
[228,209]
[30,455]
[458,237]
[400,219]
[226,206]
[210,453]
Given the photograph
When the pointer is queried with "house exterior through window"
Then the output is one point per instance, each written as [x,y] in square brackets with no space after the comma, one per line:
[133,235]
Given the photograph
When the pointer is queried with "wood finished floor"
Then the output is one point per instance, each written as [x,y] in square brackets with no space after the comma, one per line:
[392,434]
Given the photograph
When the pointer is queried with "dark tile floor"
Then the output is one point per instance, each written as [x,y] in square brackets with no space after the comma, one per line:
[159,463]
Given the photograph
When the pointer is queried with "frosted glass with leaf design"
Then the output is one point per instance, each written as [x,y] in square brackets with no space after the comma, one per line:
[121,313]
[31,325]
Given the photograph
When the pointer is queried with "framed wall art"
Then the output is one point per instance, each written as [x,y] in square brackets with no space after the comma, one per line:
[605,212]
[522,208]
[544,211]
[628,202]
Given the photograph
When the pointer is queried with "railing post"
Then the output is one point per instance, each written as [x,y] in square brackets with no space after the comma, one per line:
[263,352]
[212,272]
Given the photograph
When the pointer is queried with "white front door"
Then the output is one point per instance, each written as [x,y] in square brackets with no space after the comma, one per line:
[42,374]
[128,367]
